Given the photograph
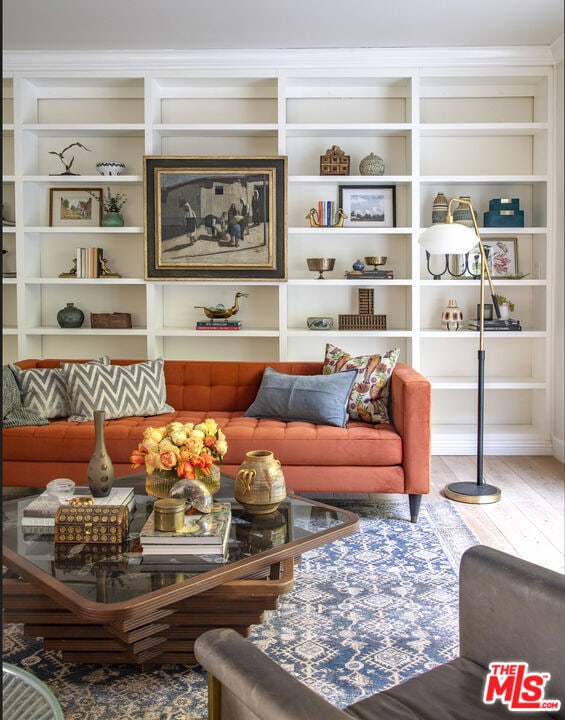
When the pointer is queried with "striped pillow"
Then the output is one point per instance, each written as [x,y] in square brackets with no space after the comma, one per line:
[13,414]
[119,390]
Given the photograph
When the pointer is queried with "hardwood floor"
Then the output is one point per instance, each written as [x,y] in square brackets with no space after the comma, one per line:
[529,519]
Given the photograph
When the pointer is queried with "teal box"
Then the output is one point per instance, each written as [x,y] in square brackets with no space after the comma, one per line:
[498,204]
[504,218]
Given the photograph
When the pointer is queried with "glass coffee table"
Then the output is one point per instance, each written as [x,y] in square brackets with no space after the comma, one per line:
[99,604]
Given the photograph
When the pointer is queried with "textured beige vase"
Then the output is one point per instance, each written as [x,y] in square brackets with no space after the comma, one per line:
[259,484]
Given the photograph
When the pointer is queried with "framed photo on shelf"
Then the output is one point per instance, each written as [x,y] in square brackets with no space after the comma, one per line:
[216,218]
[368,205]
[502,254]
[75,207]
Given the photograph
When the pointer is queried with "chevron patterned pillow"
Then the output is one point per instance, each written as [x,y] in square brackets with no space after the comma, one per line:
[13,414]
[43,390]
[119,390]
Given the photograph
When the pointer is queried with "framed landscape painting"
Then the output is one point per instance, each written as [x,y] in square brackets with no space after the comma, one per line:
[368,205]
[216,218]
[77,207]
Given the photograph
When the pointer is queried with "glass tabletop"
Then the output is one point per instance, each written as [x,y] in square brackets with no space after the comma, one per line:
[111,574]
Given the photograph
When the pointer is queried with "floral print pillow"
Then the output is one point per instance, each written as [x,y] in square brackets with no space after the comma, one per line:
[368,399]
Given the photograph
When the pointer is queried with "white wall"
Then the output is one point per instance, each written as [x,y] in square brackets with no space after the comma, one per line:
[559,310]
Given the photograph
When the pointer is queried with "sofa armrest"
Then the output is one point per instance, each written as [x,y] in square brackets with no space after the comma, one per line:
[244,683]
[511,610]
[410,413]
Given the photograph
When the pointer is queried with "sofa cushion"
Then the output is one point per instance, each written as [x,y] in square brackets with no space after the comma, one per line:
[368,400]
[44,391]
[454,689]
[317,399]
[121,391]
[13,414]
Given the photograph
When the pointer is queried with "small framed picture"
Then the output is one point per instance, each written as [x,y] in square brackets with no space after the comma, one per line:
[502,256]
[368,205]
[76,207]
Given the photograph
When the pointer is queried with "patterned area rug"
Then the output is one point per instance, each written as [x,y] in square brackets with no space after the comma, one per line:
[366,612]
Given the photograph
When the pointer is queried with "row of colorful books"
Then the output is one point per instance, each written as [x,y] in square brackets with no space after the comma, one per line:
[326,212]
[201,544]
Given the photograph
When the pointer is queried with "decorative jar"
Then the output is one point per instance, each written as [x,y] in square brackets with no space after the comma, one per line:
[259,484]
[112,219]
[439,208]
[462,213]
[372,165]
[70,316]
[452,317]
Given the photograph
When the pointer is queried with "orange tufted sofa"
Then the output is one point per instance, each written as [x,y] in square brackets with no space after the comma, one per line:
[364,458]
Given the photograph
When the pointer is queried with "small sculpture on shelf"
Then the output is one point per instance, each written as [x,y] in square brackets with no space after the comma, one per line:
[220,312]
[315,221]
[61,156]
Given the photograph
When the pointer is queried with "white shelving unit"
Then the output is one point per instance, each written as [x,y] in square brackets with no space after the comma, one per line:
[483,131]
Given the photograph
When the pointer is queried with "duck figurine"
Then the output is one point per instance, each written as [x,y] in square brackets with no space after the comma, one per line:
[220,312]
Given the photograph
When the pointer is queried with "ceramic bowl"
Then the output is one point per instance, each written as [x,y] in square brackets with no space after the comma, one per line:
[110,168]
[320,323]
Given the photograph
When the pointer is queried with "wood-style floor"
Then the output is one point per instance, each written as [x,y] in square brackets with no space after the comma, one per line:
[529,519]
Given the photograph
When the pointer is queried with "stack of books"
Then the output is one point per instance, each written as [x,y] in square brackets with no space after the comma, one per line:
[200,545]
[219,325]
[496,325]
[39,515]
[88,262]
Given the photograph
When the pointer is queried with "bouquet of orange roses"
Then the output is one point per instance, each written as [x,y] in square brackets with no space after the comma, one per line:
[188,449]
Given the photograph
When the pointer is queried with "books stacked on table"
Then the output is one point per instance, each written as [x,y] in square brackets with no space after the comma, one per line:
[39,515]
[200,545]
[498,324]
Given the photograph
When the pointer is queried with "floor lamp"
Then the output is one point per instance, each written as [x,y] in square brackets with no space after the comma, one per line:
[449,238]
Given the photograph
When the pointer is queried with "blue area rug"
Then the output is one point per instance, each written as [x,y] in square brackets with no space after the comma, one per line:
[366,612]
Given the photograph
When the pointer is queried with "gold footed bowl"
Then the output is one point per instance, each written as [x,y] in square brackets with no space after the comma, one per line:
[160,482]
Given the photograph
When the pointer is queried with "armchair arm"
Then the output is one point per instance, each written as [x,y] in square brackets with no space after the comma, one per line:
[511,610]
[244,683]
[410,413]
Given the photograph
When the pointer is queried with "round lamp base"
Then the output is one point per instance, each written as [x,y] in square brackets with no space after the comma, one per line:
[469,492]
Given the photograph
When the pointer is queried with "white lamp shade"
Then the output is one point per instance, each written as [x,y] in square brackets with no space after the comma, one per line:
[448,239]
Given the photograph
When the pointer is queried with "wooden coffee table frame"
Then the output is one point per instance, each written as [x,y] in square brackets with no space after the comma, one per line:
[159,626]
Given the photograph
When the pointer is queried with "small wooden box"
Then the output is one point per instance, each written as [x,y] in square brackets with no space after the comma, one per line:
[334,162]
[362,322]
[110,320]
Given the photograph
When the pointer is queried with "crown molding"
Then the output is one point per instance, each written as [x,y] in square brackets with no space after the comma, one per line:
[142,61]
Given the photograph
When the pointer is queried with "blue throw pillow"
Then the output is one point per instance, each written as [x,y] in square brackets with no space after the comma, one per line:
[317,399]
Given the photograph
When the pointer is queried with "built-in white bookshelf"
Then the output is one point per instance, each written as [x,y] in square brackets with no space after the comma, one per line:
[479,130]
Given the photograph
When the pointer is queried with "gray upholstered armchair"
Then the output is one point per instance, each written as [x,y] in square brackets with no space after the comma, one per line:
[509,611]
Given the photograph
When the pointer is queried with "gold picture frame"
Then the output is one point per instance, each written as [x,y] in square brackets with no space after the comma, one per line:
[215,218]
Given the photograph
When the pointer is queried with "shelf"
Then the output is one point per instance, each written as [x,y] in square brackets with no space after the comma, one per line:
[460,128]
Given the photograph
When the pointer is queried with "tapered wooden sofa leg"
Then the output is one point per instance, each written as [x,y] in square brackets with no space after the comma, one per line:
[415,502]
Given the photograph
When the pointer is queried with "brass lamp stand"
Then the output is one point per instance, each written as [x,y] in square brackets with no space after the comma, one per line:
[454,238]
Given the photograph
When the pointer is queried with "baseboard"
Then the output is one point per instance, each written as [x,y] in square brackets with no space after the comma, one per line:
[558,449]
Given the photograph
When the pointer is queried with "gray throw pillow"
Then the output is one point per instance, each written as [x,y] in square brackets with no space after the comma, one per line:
[43,390]
[119,390]
[303,398]
[13,414]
